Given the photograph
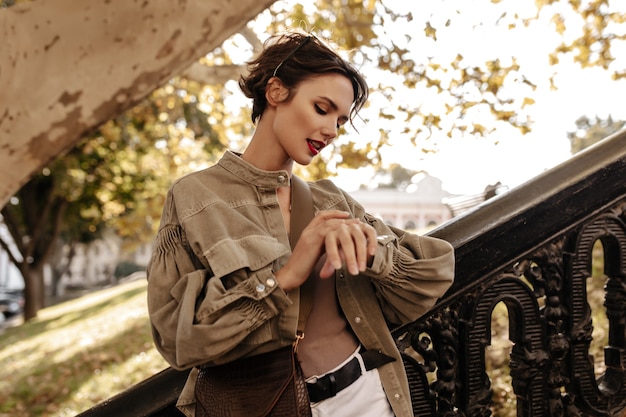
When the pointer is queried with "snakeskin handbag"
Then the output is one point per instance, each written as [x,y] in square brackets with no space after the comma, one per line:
[266,385]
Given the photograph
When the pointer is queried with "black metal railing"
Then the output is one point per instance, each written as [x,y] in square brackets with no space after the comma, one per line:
[529,249]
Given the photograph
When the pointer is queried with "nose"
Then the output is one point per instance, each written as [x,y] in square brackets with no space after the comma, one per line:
[330,131]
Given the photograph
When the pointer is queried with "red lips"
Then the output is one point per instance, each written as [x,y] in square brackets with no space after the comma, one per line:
[315,146]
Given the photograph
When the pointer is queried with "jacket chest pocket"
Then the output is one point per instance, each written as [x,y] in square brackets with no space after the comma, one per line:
[250,252]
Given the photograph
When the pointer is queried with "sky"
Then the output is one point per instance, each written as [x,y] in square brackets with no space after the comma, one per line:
[478,30]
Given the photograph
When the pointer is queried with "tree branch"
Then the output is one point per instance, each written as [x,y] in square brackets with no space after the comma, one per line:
[39,227]
[253,39]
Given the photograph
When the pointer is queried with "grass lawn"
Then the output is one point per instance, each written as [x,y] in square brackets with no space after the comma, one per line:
[77,354]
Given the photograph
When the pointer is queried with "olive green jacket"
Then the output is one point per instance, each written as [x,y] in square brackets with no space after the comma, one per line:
[212,296]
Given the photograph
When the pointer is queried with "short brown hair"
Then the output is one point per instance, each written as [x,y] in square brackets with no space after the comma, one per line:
[311,58]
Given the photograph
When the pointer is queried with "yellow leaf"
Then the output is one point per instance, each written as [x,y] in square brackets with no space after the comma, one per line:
[430,31]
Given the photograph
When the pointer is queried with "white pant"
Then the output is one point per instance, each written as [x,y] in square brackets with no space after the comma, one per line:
[363,398]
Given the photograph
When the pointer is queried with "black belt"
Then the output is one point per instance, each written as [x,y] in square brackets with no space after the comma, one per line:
[330,384]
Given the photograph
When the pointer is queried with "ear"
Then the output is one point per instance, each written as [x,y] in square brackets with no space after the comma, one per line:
[275,91]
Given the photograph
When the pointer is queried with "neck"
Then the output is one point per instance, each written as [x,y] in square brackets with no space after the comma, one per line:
[267,155]
[265,150]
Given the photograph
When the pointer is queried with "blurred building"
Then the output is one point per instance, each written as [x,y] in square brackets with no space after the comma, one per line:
[419,207]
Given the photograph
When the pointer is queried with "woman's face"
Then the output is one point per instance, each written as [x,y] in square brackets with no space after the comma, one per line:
[309,121]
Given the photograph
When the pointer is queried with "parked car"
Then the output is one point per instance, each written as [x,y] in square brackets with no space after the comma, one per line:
[11,302]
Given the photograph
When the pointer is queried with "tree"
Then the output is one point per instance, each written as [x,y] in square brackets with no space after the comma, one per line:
[48,206]
[115,178]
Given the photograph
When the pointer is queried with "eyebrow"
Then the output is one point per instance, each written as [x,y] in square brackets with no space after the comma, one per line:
[343,118]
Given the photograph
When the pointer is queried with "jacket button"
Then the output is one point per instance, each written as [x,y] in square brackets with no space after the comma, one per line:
[270,282]
[260,287]
[281,179]
[357,319]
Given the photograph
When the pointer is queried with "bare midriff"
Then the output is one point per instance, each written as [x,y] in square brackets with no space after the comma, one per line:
[328,339]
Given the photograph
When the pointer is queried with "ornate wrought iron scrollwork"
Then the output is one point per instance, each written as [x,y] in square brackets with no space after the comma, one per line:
[550,325]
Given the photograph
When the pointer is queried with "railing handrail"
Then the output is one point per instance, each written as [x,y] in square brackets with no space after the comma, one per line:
[498,226]
[153,396]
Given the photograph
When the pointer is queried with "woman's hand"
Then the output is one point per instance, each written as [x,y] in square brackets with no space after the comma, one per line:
[350,242]
[333,233]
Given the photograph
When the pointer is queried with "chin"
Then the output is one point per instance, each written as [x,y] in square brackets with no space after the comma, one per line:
[304,161]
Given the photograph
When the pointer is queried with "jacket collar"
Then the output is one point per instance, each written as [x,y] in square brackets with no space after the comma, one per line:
[232,162]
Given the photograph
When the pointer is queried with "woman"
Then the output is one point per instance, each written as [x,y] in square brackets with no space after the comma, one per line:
[223,283]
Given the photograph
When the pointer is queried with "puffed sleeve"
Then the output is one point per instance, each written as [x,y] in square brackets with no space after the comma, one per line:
[410,273]
[195,318]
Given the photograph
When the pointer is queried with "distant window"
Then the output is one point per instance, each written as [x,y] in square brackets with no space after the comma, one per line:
[410,225]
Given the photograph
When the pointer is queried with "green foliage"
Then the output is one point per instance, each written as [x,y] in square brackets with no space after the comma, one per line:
[147,147]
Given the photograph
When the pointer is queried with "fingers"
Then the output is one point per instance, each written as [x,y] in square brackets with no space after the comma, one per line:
[354,248]
[325,215]
[342,239]
[347,241]
[309,249]
[327,270]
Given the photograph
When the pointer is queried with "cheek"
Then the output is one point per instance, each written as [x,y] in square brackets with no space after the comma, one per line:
[290,123]
[307,118]
[297,116]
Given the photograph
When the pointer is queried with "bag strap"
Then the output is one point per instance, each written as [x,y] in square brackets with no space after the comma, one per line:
[302,211]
